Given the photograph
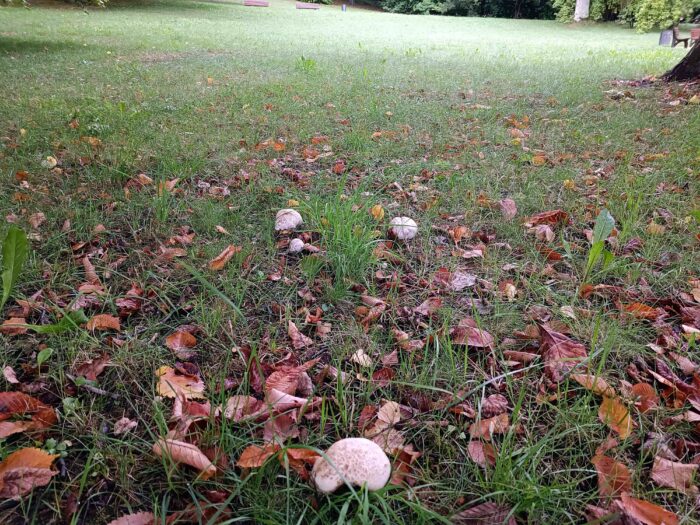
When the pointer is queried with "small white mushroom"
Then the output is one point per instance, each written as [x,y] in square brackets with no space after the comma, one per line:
[287,219]
[296,245]
[403,228]
[356,461]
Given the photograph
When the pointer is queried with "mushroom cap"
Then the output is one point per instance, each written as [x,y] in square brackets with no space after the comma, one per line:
[296,245]
[287,219]
[357,461]
[403,228]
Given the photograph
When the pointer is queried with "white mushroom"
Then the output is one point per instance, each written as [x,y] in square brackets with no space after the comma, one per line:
[287,219]
[403,228]
[296,245]
[356,461]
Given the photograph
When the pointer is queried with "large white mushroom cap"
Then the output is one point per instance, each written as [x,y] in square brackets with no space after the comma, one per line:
[287,219]
[356,461]
[403,228]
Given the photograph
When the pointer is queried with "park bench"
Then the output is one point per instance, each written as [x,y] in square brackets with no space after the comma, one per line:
[695,36]
[677,38]
[307,5]
[256,3]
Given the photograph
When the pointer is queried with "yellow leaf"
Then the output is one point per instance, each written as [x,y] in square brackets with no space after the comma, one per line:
[377,212]
[614,413]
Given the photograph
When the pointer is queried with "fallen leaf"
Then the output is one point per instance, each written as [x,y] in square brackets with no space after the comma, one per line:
[486,428]
[467,333]
[14,326]
[547,217]
[678,476]
[560,353]
[614,478]
[483,454]
[377,212]
[614,413]
[595,384]
[645,397]
[255,456]
[299,340]
[181,343]
[23,470]
[485,514]
[103,322]
[138,518]
[220,261]
[647,513]
[15,404]
[186,453]
[174,384]
[93,368]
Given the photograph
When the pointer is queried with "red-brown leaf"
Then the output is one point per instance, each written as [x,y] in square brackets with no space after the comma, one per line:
[103,322]
[646,512]
[186,453]
[614,478]
[614,413]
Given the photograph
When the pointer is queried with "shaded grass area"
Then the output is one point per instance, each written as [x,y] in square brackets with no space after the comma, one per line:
[188,89]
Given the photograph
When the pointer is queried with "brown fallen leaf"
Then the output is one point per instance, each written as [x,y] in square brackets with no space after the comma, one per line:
[103,322]
[14,326]
[595,384]
[647,513]
[299,340]
[483,454]
[547,217]
[485,514]
[23,470]
[186,453]
[560,353]
[181,343]
[255,456]
[467,333]
[486,428]
[138,518]
[614,478]
[93,368]
[19,404]
[678,476]
[645,397]
[175,384]
[614,413]
[220,261]
[300,459]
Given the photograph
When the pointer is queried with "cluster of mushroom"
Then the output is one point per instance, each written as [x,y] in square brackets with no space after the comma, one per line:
[400,228]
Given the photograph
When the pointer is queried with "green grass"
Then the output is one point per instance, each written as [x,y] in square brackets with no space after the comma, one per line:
[188,89]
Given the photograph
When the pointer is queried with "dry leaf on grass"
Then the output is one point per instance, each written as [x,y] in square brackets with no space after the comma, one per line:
[485,514]
[14,326]
[508,208]
[220,261]
[595,384]
[560,352]
[138,518]
[181,343]
[103,322]
[174,384]
[23,470]
[678,476]
[467,333]
[645,397]
[186,453]
[299,340]
[486,428]
[255,456]
[93,368]
[614,478]
[483,454]
[19,404]
[614,413]
[647,513]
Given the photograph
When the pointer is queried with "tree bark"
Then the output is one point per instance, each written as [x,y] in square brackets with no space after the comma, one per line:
[582,10]
[686,69]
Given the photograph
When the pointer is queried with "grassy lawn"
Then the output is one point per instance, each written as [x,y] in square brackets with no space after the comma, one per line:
[253,110]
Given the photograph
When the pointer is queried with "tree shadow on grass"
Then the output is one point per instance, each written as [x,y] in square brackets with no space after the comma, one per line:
[26,46]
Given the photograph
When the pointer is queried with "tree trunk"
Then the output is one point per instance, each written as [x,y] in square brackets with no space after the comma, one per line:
[582,10]
[688,68]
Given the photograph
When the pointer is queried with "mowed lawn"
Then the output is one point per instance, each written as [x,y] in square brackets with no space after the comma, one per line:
[236,112]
